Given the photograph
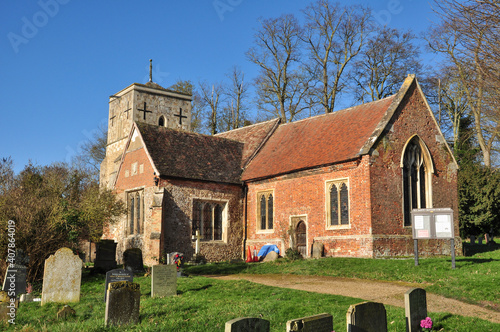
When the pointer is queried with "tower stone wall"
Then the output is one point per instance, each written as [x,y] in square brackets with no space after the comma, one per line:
[149,103]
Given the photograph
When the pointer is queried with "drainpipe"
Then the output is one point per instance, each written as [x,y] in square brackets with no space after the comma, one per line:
[245,200]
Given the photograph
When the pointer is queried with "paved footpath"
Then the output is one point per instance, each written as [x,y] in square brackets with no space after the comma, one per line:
[384,292]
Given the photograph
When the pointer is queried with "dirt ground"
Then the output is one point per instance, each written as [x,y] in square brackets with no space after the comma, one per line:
[384,292]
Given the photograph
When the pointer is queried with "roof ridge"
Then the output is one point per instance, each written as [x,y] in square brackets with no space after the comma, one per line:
[247,127]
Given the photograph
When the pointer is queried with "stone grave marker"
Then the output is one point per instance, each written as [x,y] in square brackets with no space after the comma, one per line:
[65,312]
[367,317]
[316,323]
[15,280]
[122,303]
[62,277]
[132,260]
[415,308]
[163,280]
[105,255]
[271,256]
[472,239]
[317,250]
[248,324]
[117,275]
[15,277]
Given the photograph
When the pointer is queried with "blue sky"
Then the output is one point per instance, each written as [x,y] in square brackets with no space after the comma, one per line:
[60,60]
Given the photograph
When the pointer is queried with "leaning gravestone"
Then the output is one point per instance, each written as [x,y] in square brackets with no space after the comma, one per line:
[122,303]
[105,255]
[132,260]
[317,250]
[316,323]
[62,277]
[415,308]
[247,324]
[367,317]
[163,280]
[117,275]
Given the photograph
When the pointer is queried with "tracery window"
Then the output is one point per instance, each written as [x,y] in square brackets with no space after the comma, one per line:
[208,219]
[135,206]
[265,210]
[338,203]
[416,179]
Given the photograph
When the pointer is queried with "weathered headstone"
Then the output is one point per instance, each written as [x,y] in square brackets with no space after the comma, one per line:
[271,256]
[317,250]
[65,312]
[132,260]
[117,275]
[248,324]
[62,277]
[316,323]
[367,317]
[7,307]
[415,308]
[105,259]
[122,303]
[472,239]
[163,280]
[479,240]
[15,280]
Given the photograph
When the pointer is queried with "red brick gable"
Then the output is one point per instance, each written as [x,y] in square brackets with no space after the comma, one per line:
[253,137]
[317,141]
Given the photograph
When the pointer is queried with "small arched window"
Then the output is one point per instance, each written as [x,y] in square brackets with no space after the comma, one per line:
[161,121]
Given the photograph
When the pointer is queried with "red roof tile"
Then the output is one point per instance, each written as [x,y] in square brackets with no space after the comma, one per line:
[320,140]
[252,137]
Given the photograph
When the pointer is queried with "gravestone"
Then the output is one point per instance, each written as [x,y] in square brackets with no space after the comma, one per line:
[62,277]
[271,256]
[122,303]
[15,277]
[7,307]
[15,280]
[105,259]
[117,275]
[367,317]
[317,250]
[132,260]
[65,312]
[316,323]
[248,324]
[415,309]
[163,280]
[472,239]
[479,240]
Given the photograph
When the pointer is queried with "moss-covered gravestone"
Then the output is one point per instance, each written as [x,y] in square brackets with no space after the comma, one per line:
[122,303]
[62,277]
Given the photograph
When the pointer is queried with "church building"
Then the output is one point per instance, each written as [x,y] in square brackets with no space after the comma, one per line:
[347,180]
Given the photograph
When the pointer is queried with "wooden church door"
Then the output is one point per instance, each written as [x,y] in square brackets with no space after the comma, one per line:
[301,236]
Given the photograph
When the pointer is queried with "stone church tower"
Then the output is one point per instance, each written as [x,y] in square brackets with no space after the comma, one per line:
[148,103]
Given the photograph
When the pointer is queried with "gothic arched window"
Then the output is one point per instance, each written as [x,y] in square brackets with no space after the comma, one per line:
[338,198]
[417,168]
[265,210]
[162,122]
[208,217]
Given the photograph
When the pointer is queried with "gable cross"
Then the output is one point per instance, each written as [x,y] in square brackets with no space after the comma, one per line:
[145,111]
[180,116]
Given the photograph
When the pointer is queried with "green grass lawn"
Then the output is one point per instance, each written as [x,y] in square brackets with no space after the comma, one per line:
[205,304]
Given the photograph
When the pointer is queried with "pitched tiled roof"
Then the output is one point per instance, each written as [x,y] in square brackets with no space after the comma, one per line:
[252,137]
[192,156]
[317,141]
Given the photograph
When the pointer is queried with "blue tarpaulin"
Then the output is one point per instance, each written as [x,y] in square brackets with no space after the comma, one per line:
[266,249]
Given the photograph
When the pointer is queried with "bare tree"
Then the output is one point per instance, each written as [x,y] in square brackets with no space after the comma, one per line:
[467,38]
[386,59]
[210,101]
[334,36]
[233,113]
[281,85]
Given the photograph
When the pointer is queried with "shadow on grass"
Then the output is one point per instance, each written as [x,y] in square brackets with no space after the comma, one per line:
[472,249]
[217,268]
